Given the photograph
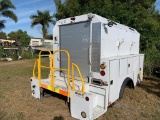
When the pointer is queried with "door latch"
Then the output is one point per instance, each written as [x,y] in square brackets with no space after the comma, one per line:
[111,82]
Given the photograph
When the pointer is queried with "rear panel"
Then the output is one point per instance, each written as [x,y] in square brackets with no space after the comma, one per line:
[75,39]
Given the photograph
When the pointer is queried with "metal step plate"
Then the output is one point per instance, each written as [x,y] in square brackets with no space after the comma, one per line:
[61,83]
[98,111]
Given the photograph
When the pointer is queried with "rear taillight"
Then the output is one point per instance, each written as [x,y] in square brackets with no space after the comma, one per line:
[102,72]
[102,66]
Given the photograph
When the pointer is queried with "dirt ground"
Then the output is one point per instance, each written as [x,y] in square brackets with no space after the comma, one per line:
[16,102]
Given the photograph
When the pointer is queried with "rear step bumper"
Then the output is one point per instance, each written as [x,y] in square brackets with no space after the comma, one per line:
[84,106]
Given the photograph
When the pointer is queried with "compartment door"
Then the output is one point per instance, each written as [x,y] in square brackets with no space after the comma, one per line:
[114,81]
[75,38]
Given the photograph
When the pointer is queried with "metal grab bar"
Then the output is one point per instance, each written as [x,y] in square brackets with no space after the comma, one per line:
[68,70]
[73,86]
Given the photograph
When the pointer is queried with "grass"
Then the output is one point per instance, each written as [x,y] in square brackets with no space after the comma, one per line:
[16,102]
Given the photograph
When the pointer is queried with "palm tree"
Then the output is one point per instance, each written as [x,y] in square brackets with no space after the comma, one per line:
[5,6]
[42,18]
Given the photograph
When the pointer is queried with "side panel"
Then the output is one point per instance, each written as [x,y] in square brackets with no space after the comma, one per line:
[141,62]
[114,80]
[75,39]
[136,69]
[123,66]
[96,42]
[130,64]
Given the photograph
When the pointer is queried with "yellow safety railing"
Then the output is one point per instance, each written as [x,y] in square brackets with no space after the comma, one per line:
[53,69]
[50,67]
[73,85]
[68,70]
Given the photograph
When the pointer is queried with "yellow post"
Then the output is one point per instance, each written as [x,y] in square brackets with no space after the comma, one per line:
[52,72]
[73,87]
[68,55]
[33,72]
[39,65]
[73,64]
[39,71]
[68,75]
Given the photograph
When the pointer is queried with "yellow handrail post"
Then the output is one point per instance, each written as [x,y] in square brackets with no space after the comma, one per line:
[33,72]
[68,75]
[74,65]
[39,71]
[68,55]
[39,65]
[51,72]
[73,86]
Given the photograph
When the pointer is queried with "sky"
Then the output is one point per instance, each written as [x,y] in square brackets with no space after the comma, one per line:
[26,8]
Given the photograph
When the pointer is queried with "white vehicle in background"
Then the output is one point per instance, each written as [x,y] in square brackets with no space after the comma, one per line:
[106,56]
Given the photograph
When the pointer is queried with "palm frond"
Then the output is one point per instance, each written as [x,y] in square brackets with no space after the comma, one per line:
[9,14]
[34,23]
[42,18]
[33,16]
[2,24]
[6,4]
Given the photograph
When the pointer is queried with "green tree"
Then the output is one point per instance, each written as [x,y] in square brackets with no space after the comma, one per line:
[21,37]
[3,35]
[5,6]
[50,37]
[42,18]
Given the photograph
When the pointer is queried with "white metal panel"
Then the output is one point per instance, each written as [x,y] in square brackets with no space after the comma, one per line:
[130,64]
[114,77]
[136,69]
[100,95]
[35,87]
[109,40]
[141,61]
[124,42]
[97,90]
[135,43]
[78,104]
[123,66]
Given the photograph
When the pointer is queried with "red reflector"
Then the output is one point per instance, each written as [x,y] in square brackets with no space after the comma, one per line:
[110,103]
[73,18]
[87,98]
[102,73]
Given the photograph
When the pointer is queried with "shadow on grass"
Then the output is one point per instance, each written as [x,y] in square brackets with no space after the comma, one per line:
[48,93]
[58,118]
[151,85]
